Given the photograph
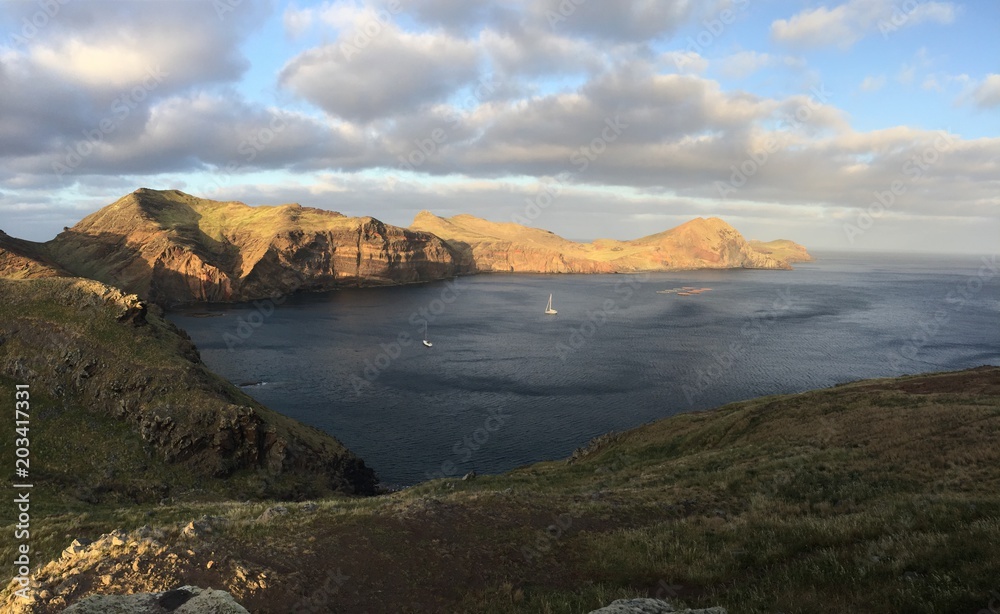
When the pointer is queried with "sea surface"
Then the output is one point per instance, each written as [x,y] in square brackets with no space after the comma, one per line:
[505,385]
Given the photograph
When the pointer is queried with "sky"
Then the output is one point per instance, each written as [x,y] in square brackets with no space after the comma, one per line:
[857,125]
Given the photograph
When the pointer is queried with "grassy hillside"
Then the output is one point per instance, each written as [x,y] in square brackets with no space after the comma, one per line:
[873,497]
[124,411]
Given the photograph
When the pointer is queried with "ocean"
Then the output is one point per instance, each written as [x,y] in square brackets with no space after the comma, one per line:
[505,385]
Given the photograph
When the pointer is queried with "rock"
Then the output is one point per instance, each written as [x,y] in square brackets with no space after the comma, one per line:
[76,547]
[183,600]
[469,476]
[181,249]
[482,245]
[649,606]
[272,512]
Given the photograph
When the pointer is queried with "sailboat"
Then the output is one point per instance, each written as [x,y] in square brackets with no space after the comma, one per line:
[426,342]
[548,308]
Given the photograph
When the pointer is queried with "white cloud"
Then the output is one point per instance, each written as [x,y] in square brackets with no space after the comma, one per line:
[847,23]
[383,73]
[296,21]
[873,83]
[745,63]
[987,93]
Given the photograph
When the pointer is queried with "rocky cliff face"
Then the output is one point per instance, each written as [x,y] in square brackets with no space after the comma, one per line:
[114,370]
[170,247]
[488,246]
[783,249]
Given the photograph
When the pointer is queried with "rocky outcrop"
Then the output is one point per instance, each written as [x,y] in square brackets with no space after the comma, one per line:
[483,246]
[649,606]
[170,247]
[103,353]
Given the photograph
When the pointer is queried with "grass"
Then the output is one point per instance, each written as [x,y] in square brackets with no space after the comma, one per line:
[873,497]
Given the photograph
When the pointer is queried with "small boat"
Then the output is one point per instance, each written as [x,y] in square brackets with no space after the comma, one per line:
[683,294]
[548,308]
[428,343]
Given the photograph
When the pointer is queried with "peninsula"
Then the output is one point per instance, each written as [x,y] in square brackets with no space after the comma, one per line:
[169,247]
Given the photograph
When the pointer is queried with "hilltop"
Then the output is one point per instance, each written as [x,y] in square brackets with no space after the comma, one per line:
[872,497]
[169,247]
[485,246]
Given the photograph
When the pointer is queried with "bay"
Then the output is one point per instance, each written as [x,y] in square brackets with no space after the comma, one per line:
[505,385]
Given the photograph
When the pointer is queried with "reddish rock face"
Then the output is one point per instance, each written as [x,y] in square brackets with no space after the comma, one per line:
[700,243]
[170,247]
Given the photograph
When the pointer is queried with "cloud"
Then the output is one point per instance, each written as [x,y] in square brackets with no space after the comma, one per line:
[745,63]
[381,71]
[627,20]
[847,23]
[873,83]
[987,94]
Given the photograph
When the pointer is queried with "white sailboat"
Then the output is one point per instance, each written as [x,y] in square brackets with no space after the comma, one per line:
[426,342]
[548,308]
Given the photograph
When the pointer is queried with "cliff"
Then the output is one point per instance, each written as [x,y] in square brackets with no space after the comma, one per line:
[483,246]
[170,247]
[126,410]
[782,249]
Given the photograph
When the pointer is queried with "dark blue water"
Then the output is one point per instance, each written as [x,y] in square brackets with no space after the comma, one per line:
[505,385]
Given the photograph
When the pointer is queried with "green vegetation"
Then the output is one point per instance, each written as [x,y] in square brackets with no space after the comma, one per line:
[879,496]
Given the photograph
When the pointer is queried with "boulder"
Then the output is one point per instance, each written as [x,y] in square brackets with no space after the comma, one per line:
[650,606]
[183,600]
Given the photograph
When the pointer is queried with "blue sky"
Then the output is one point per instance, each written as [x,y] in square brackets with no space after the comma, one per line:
[787,119]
